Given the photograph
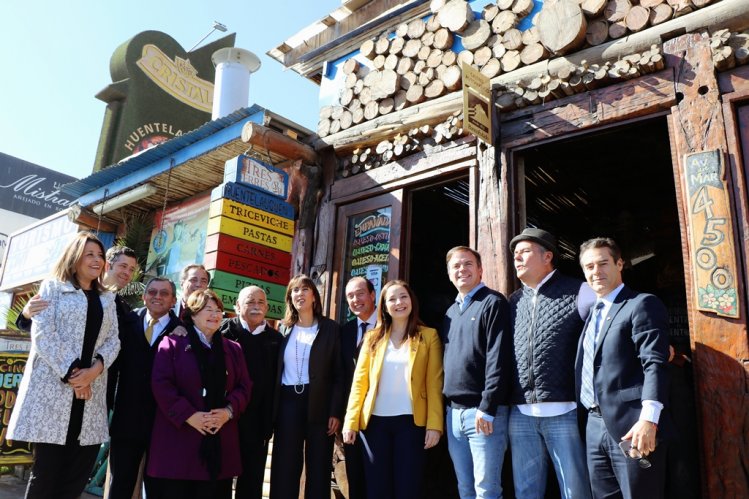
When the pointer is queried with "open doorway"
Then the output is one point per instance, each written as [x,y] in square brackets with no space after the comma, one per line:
[439,220]
[619,183]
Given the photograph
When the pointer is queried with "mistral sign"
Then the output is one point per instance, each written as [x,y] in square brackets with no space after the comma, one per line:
[31,190]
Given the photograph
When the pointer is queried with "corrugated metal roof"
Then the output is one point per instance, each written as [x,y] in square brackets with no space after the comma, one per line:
[148,157]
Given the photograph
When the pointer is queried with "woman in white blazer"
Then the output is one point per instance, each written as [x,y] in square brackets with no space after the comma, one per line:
[396,397]
[61,406]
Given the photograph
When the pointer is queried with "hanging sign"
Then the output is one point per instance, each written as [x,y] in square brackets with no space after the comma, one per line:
[476,103]
[711,234]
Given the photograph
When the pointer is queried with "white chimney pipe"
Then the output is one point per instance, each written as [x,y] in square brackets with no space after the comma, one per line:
[232,89]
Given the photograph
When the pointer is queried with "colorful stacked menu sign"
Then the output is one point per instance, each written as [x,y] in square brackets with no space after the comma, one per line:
[250,232]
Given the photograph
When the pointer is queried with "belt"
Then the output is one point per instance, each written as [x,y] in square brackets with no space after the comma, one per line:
[596,409]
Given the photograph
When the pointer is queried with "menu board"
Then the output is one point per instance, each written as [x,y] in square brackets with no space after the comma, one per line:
[368,249]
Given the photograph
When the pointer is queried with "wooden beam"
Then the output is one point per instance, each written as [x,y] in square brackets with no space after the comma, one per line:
[626,100]
[403,170]
[258,135]
[729,14]
[719,344]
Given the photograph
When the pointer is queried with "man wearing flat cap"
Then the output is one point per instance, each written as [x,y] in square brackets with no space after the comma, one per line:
[548,314]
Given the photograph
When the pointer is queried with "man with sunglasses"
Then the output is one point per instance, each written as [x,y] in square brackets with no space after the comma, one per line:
[134,405]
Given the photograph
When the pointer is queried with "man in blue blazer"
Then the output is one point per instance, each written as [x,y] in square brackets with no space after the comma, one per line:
[622,380]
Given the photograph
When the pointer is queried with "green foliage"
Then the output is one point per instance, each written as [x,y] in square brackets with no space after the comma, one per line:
[16,309]
[137,236]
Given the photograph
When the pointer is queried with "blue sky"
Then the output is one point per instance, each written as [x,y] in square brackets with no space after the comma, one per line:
[55,57]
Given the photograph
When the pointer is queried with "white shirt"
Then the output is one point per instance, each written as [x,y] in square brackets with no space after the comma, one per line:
[158,328]
[255,331]
[393,398]
[296,355]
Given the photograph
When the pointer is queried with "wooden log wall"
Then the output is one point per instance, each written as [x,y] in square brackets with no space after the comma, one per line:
[420,60]
[728,50]
[422,138]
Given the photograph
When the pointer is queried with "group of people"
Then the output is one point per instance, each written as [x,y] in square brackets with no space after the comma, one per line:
[564,372]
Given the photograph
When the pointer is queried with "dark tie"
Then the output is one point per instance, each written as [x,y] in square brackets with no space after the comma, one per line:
[363,329]
[587,397]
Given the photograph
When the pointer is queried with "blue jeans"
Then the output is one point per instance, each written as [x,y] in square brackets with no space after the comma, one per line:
[533,440]
[477,458]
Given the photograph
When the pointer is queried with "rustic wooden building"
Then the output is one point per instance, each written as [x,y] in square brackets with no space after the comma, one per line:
[623,118]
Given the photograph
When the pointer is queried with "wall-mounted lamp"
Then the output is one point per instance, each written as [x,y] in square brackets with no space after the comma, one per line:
[124,199]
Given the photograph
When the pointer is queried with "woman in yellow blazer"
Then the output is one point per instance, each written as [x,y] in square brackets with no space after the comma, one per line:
[396,397]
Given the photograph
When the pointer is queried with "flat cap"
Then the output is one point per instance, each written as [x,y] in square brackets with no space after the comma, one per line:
[538,236]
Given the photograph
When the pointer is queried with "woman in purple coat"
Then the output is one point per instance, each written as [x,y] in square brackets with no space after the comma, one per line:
[201,385]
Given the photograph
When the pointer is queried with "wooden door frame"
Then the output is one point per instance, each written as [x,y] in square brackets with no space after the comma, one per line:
[394,199]
[444,161]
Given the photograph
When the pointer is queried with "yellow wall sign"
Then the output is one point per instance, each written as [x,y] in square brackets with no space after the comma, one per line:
[250,215]
[711,234]
[178,78]
[226,225]
[477,116]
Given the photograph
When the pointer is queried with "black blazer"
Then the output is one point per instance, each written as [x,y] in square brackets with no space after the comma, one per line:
[261,355]
[134,405]
[630,363]
[325,373]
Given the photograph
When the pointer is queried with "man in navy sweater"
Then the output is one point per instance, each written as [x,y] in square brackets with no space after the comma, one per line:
[477,363]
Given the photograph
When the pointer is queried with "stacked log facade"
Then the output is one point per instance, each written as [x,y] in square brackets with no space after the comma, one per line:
[570,67]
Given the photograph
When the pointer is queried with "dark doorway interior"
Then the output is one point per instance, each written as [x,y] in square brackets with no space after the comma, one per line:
[438,222]
[619,183]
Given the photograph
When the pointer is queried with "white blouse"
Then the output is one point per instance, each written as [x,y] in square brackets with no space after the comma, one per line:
[393,398]
[296,355]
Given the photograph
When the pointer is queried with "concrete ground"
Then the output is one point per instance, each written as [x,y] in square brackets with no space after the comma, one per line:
[12,487]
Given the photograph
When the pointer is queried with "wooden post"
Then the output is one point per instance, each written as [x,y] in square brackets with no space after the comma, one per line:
[719,344]
[490,242]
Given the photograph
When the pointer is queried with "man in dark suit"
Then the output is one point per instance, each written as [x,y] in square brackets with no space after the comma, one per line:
[360,295]
[622,380]
[260,344]
[134,405]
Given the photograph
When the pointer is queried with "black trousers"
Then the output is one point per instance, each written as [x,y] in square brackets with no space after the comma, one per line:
[298,441]
[394,467]
[254,453]
[355,470]
[60,471]
[193,489]
[125,455]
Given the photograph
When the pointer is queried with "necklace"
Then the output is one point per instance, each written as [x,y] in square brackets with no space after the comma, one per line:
[299,386]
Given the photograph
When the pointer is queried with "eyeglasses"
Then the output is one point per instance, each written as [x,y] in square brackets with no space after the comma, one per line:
[159,292]
[630,453]
[214,311]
